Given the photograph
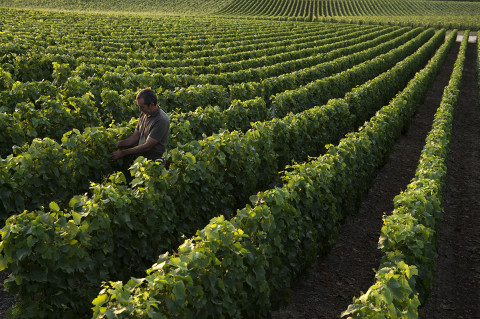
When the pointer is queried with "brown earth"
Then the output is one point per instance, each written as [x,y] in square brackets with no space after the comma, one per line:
[456,289]
[6,300]
[340,275]
[346,270]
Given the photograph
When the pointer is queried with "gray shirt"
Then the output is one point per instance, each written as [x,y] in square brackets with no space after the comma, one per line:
[156,126]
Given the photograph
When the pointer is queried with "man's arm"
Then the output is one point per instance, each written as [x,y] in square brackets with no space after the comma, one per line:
[147,146]
[129,141]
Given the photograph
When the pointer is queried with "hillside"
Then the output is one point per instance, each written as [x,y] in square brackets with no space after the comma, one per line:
[448,14]
[317,8]
[144,6]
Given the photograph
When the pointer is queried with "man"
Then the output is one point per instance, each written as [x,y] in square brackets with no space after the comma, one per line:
[151,132]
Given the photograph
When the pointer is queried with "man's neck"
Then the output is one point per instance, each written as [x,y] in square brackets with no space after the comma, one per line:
[155,108]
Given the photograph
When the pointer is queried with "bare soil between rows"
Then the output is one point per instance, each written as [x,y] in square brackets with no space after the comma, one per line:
[456,290]
[347,269]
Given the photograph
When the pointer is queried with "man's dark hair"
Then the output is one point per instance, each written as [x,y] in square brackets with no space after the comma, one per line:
[148,96]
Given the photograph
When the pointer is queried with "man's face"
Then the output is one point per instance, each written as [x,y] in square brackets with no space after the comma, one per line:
[142,107]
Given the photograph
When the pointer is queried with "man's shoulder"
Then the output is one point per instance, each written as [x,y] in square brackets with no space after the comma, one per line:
[162,115]
[159,118]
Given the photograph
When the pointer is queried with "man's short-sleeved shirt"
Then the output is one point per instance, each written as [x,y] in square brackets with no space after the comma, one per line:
[156,126]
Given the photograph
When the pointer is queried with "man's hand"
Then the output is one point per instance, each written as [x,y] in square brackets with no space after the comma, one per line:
[129,141]
[112,148]
[117,154]
[139,149]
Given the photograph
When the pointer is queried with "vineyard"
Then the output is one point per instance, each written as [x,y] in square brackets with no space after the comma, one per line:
[331,8]
[281,112]
[438,14]
[450,14]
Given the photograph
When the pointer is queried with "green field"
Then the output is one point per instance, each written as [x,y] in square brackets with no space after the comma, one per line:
[280,111]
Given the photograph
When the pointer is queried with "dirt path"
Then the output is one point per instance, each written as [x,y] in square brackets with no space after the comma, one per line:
[6,300]
[347,268]
[456,290]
